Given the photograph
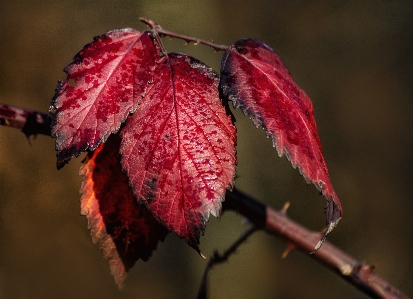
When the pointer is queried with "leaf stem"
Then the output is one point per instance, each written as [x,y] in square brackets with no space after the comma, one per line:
[157,29]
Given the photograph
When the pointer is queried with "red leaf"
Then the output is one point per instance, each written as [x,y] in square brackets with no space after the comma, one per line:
[178,149]
[125,230]
[254,78]
[105,82]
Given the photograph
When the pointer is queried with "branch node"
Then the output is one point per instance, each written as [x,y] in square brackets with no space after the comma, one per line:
[346,269]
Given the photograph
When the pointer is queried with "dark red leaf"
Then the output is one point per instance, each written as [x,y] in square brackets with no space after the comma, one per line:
[178,149]
[125,230]
[254,78]
[105,82]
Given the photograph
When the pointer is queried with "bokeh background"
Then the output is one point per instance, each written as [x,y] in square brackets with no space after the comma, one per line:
[354,59]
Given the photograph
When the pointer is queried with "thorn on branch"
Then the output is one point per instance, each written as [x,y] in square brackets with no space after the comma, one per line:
[290,247]
[30,122]
[285,208]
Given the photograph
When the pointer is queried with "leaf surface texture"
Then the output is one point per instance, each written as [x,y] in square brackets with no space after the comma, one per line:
[124,229]
[178,149]
[105,82]
[255,79]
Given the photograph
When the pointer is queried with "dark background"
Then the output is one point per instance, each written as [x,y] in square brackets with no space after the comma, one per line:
[353,58]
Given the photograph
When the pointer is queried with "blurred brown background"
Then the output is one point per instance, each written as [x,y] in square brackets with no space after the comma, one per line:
[354,59]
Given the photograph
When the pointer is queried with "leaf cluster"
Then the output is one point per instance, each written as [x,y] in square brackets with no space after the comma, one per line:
[161,139]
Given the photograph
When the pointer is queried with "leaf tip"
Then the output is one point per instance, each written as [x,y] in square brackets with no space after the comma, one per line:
[333,213]
[61,163]
[196,247]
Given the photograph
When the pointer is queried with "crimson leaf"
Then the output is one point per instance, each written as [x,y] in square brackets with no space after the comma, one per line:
[105,82]
[178,149]
[254,78]
[125,230]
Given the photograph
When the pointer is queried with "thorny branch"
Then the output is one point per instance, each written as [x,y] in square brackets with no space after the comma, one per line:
[30,122]
[158,30]
[277,223]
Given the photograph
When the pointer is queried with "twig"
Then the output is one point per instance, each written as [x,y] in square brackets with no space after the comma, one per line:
[218,259]
[157,29]
[359,274]
[277,223]
[30,122]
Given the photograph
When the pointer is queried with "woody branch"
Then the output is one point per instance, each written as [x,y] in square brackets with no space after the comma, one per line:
[277,223]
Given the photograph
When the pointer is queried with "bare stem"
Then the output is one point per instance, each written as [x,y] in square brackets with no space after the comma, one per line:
[357,273]
[157,29]
[218,259]
[30,122]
